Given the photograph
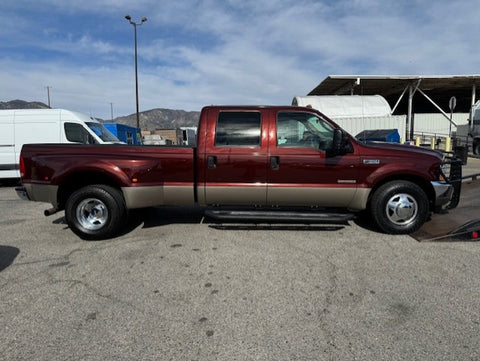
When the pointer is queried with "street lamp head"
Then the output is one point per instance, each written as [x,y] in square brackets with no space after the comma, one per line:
[128,17]
[144,19]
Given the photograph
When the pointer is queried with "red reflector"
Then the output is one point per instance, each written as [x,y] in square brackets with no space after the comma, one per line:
[474,234]
[22,167]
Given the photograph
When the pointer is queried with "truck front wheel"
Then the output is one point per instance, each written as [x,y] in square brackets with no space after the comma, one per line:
[399,207]
[95,211]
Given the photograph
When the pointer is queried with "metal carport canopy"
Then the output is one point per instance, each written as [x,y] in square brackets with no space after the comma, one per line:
[387,85]
[399,91]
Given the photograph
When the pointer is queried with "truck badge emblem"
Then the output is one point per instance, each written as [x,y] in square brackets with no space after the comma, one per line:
[371,161]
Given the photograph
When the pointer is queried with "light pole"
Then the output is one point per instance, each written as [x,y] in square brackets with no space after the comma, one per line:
[136,71]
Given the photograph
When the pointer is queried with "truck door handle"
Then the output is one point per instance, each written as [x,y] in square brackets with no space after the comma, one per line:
[212,161]
[275,162]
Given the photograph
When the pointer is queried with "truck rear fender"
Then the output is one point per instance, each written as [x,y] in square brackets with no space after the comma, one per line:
[75,180]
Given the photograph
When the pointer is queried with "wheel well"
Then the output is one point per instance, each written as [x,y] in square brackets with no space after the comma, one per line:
[419,181]
[79,180]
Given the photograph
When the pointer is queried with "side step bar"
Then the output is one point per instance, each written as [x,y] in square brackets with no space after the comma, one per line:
[279,217]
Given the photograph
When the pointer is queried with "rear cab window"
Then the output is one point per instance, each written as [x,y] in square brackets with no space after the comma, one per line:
[238,129]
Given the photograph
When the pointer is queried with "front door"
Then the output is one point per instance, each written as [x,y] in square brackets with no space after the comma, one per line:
[300,173]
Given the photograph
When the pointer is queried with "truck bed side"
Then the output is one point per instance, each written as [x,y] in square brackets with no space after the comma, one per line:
[147,175]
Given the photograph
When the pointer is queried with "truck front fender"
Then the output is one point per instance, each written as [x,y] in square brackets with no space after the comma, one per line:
[399,170]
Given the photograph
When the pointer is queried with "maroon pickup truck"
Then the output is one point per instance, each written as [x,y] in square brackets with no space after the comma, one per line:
[290,163]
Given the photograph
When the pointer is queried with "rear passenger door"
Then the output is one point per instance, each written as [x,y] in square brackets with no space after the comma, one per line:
[236,159]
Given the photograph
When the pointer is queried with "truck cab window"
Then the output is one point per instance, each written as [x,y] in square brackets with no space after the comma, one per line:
[78,134]
[298,129]
[238,129]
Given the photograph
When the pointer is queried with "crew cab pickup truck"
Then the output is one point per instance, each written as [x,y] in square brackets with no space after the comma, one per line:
[290,163]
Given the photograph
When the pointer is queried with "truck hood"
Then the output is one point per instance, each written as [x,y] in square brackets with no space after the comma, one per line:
[402,148]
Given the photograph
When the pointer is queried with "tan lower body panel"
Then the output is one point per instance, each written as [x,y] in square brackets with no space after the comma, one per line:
[42,193]
[233,195]
[359,202]
[349,197]
[141,197]
[353,198]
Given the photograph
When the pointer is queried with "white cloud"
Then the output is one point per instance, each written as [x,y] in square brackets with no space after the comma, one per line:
[193,53]
[89,90]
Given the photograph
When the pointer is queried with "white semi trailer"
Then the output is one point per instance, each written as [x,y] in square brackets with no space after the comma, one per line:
[469,134]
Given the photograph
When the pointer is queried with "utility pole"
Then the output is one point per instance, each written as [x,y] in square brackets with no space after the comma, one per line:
[48,95]
[111,110]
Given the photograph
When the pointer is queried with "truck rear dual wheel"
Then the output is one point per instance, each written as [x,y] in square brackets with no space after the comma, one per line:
[399,207]
[95,211]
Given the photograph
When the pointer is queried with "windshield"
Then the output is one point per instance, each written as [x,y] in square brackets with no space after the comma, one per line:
[102,132]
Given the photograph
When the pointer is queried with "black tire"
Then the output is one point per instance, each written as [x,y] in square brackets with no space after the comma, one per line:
[95,212]
[399,207]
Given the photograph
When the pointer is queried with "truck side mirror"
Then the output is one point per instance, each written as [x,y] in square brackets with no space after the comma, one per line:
[339,143]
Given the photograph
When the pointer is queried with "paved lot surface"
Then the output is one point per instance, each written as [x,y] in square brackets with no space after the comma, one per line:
[472,167]
[441,226]
[172,288]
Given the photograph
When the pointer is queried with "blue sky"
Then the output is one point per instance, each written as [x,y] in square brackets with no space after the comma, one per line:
[196,53]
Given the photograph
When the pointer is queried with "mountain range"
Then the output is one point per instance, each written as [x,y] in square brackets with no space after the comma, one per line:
[161,119]
[149,119]
[22,104]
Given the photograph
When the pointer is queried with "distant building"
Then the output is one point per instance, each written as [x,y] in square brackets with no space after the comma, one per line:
[152,139]
[189,136]
[125,133]
[171,136]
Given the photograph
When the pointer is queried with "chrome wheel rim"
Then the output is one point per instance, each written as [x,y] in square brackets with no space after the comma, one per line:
[92,214]
[401,209]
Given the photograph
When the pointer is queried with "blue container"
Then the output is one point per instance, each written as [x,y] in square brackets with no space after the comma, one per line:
[379,135]
[125,133]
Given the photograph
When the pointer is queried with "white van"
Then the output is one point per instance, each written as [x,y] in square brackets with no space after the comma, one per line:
[23,126]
